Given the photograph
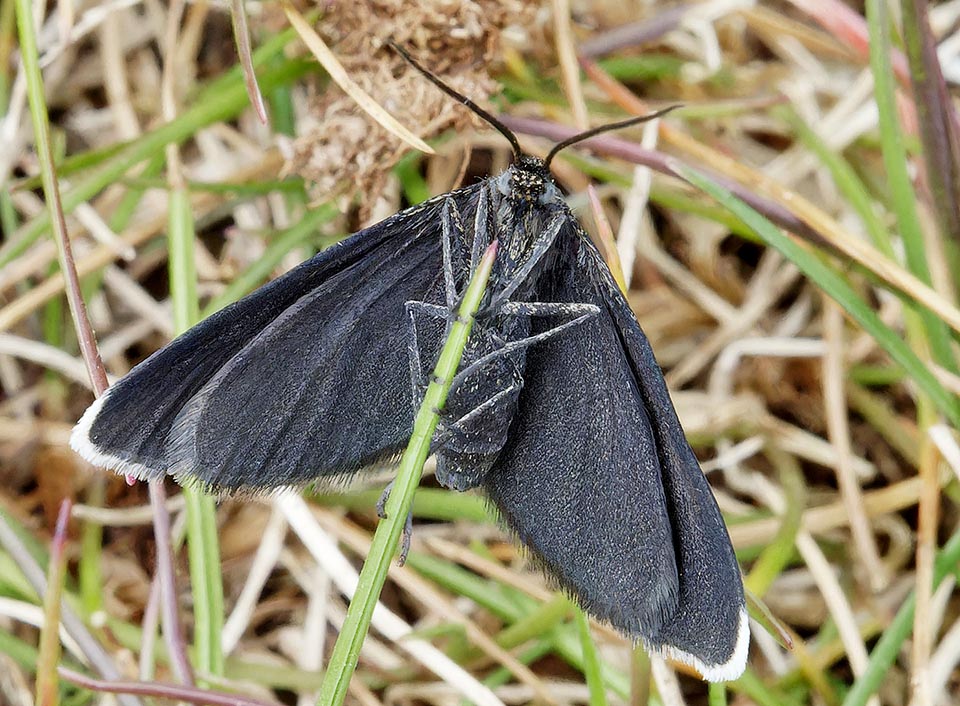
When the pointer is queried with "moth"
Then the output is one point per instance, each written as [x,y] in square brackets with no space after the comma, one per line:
[559,411]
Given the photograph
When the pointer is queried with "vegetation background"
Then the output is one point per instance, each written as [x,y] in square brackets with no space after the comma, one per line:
[805,313]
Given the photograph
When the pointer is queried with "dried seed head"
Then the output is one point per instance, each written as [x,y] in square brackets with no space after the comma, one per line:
[346,150]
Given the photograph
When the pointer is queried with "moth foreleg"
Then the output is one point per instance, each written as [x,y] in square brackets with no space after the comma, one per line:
[481,229]
[541,246]
[451,227]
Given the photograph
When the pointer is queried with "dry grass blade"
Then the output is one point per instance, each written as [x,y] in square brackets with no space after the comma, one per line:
[605,234]
[568,63]
[241,34]
[850,491]
[333,67]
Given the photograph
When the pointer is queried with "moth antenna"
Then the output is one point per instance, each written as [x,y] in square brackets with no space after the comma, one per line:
[438,82]
[587,134]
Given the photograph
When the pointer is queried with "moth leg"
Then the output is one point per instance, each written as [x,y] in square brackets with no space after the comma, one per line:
[407,525]
[481,227]
[452,227]
[417,377]
[382,502]
[433,310]
[405,539]
[549,308]
[583,312]
[543,243]
[469,447]
[455,428]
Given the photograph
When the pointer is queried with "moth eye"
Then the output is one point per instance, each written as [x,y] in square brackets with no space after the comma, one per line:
[549,194]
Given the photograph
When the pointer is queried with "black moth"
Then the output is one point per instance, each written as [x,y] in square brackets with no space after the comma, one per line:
[559,411]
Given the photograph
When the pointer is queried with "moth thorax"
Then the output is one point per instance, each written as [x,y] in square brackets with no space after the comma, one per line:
[528,180]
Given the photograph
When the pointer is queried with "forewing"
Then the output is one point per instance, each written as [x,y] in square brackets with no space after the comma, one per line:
[128,428]
[709,630]
[599,480]
[579,479]
[321,391]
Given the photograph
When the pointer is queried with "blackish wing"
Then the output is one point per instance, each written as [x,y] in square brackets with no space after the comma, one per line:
[711,622]
[579,479]
[311,368]
[597,478]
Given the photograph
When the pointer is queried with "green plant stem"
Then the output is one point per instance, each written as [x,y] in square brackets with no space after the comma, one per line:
[895,160]
[346,651]
[717,695]
[591,661]
[203,550]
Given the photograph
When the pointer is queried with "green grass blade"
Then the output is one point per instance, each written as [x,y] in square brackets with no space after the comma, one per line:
[845,177]
[776,556]
[203,550]
[591,661]
[834,285]
[223,100]
[346,651]
[902,196]
[279,246]
[888,646]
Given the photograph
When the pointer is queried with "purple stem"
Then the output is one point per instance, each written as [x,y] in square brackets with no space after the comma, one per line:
[630,35]
[174,692]
[168,587]
[937,120]
[632,152]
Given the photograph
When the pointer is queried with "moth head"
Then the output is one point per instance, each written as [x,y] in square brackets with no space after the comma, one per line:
[528,180]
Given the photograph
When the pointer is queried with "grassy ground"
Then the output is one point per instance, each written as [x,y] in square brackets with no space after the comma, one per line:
[799,289]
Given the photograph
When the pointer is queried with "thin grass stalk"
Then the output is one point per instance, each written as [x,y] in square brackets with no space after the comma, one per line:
[346,652]
[902,196]
[47,685]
